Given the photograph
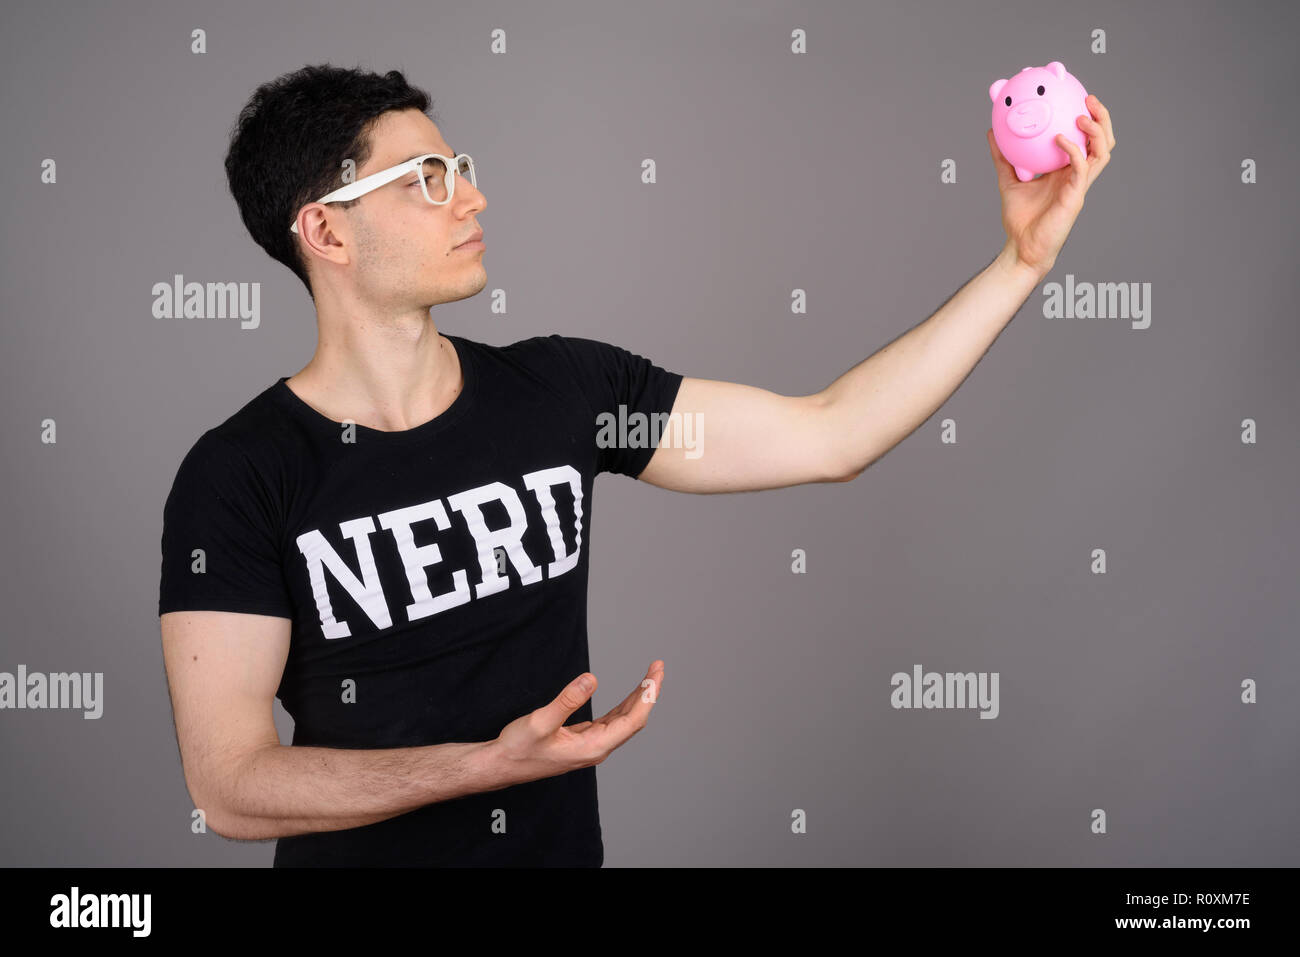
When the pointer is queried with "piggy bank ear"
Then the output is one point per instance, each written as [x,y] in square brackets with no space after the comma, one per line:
[1058,68]
[995,89]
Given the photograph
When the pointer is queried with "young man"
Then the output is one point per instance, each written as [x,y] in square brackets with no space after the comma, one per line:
[392,539]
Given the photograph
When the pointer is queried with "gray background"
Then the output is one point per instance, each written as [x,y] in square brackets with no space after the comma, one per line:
[776,171]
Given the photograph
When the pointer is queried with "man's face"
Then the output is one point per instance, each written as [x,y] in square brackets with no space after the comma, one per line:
[400,248]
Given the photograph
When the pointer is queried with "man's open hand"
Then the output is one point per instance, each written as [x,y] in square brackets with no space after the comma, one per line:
[1039,214]
[540,745]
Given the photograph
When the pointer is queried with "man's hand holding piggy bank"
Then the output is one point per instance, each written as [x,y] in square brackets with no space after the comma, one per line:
[1029,110]
[1041,117]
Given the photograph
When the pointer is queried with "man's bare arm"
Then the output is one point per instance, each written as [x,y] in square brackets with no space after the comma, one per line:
[319,785]
[886,397]
[748,438]
[222,672]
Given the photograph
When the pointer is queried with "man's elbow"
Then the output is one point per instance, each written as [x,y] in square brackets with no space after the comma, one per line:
[846,471]
[221,820]
[216,812]
[835,476]
[834,466]
[215,817]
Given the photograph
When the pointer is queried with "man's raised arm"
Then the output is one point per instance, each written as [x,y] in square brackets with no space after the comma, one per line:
[745,438]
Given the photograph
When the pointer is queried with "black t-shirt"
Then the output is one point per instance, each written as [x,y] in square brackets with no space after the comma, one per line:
[436,578]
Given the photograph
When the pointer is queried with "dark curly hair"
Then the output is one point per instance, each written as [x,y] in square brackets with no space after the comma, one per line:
[288,146]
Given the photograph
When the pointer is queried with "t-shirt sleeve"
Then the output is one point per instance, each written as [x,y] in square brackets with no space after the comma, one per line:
[609,377]
[220,507]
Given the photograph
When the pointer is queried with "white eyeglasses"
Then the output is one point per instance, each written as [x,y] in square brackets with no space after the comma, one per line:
[437,179]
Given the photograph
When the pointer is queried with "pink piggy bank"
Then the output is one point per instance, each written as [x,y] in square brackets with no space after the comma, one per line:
[1030,109]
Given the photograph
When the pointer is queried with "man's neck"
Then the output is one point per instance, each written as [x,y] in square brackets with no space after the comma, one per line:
[390,378]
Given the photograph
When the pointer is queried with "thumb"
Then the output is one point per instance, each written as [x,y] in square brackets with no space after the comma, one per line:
[573,697]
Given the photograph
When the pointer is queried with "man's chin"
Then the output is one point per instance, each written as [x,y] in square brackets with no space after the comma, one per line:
[471,285]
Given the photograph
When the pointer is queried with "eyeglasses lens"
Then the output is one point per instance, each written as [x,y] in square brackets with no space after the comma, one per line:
[435,177]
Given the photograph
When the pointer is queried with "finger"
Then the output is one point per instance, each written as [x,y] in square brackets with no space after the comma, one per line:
[654,677]
[1097,147]
[612,731]
[1078,163]
[634,704]
[1098,156]
[550,717]
[1006,172]
[580,726]
[650,689]
[1102,115]
[653,683]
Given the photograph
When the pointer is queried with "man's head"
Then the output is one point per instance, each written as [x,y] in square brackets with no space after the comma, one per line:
[389,249]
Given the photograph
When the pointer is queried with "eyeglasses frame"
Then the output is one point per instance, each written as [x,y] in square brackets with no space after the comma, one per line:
[385,176]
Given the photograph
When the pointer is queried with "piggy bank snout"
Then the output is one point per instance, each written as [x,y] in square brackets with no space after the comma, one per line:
[1030,118]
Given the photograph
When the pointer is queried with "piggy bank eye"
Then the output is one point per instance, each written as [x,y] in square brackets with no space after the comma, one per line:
[1042,90]
[1008,101]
